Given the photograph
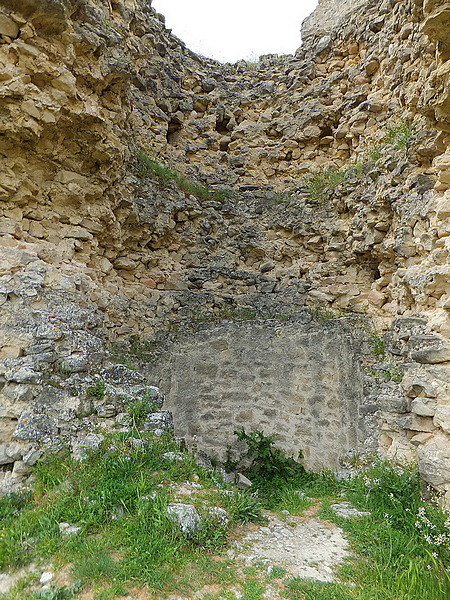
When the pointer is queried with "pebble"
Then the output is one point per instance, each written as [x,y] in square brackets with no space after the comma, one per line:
[46,577]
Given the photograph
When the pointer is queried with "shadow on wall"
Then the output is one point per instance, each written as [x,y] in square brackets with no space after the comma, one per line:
[300,380]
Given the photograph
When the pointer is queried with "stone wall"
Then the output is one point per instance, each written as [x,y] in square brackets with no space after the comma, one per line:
[300,380]
[329,15]
[93,249]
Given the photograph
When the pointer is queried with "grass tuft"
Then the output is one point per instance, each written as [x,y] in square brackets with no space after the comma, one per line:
[146,166]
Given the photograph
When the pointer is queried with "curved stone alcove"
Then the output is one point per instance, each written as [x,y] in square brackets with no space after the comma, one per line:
[301,380]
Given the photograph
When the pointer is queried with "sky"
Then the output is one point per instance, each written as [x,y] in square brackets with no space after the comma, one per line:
[231,30]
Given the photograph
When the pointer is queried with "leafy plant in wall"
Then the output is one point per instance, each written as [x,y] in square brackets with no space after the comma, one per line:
[268,462]
[399,133]
[96,391]
[324,181]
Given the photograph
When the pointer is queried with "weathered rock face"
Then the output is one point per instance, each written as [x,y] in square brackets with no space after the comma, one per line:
[331,14]
[95,247]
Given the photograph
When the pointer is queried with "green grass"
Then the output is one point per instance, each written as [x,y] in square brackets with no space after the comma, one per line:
[96,391]
[405,541]
[390,373]
[376,344]
[299,589]
[119,496]
[320,184]
[398,134]
[138,410]
[323,314]
[148,167]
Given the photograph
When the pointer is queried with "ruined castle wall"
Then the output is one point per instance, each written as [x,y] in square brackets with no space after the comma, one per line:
[329,15]
[93,249]
[302,381]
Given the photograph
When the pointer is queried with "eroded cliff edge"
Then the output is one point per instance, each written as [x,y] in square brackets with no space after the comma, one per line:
[96,248]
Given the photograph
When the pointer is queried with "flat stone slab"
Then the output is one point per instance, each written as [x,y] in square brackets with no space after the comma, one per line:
[347,511]
[310,549]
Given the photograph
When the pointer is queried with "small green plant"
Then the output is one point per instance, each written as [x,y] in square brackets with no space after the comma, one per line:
[138,411]
[376,344]
[237,314]
[231,460]
[323,314]
[293,500]
[324,181]
[374,153]
[97,391]
[390,373]
[399,133]
[268,462]
[243,507]
[146,166]
[253,589]
[300,589]
[58,593]
[251,65]
[141,350]
[279,197]
[93,563]
[13,504]
[252,62]
[277,572]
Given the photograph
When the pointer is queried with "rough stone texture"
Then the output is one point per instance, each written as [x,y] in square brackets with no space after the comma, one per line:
[94,249]
[307,549]
[185,516]
[301,381]
[329,14]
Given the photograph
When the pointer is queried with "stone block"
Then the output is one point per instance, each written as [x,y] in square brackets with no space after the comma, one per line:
[432,356]
[185,516]
[10,452]
[8,27]
[35,426]
[242,482]
[32,456]
[125,263]
[81,448]
[22,374]
[443,208]
[79,233]
[414,387]
[442,418]
[10,352]
[421,438]
[21,468]
[415,423]
[434,460]
[372,67]
[376,298]
[8,226]
[424,407]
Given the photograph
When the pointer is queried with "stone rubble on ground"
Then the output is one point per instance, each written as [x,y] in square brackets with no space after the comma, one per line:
[304,548]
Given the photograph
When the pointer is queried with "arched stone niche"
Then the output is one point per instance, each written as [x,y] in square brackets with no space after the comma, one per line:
[301,380]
